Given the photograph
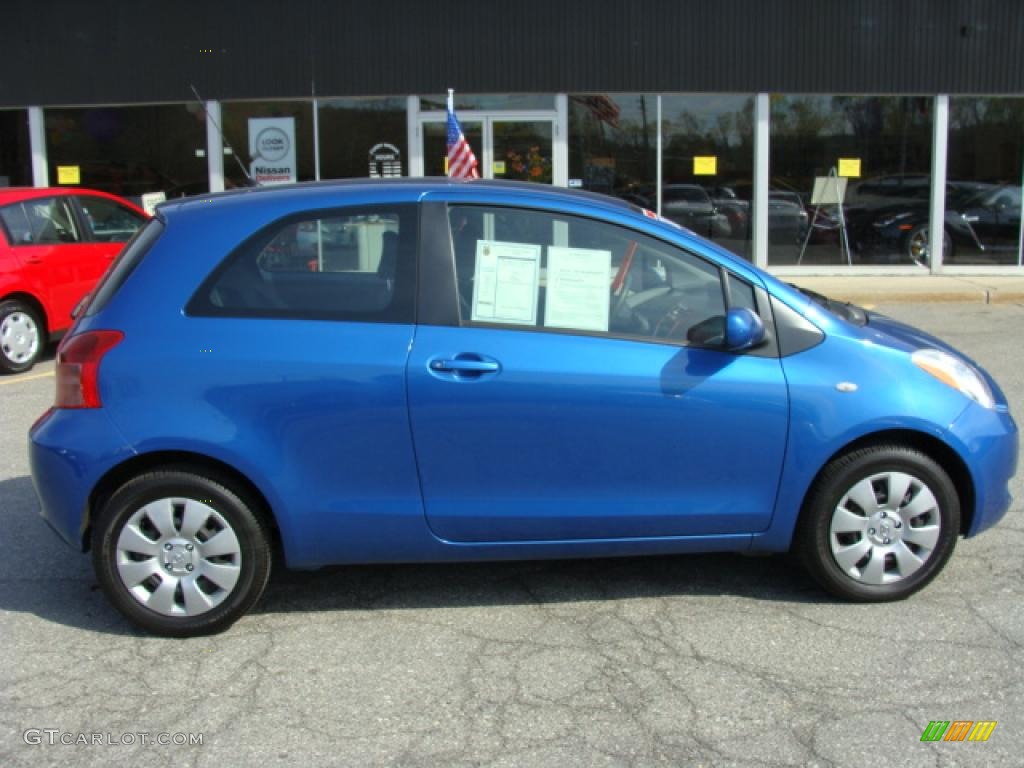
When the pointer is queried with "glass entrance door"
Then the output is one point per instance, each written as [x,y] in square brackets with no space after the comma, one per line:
[435,145]
[516,147]
[522,150]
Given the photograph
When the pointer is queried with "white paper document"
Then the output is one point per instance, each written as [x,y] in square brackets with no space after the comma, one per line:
[506,282]
[579,290]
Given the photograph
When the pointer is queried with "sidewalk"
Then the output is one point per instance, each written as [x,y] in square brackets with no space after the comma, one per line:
[863,290]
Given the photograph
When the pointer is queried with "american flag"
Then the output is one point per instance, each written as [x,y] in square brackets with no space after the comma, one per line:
[461,160]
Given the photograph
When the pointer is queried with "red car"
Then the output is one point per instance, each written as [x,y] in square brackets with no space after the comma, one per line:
[55,243]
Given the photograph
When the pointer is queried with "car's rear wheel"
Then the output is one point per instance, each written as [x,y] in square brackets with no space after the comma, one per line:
[22,336]
[879,524]
[181,553]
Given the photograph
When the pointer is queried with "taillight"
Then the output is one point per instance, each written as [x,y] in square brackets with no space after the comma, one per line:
[78,368]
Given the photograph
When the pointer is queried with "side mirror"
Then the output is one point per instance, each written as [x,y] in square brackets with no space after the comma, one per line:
[743,329]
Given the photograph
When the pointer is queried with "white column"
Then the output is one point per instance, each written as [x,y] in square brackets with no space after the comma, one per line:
[658,156]
[561,147]
[214,146]
[37,142]
[762,171]
[1020,237]
[316,140]
[937,211]
[412,128]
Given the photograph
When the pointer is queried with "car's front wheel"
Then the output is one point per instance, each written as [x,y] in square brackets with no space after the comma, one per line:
[917,248]
[879,524]
[181,553]
[22,336]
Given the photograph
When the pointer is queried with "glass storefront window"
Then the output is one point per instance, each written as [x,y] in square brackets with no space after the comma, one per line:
[130,151]
[363,137]
[489,102]
[983,190]
[882,146]
[15,151]
[613,145]
[235,118]
[708,165]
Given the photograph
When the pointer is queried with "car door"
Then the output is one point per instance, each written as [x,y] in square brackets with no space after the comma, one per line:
[581,392]
[47,240]
[308,338]
[108,225]
[1007,207]
[995,217]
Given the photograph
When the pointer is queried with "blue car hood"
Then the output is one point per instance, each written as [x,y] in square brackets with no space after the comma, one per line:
[893,333]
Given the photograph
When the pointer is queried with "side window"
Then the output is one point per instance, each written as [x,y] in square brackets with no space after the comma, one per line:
[345,265]
[534,269]
[19,232]
[741,294]
[108,221]
[46,221]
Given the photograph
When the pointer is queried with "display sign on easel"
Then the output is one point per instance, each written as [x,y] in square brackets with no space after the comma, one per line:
[829,190]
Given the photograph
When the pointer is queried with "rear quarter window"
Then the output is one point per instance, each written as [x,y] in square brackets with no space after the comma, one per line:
[355,264]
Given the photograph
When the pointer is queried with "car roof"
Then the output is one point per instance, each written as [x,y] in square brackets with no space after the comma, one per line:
[322,192]
[16,194]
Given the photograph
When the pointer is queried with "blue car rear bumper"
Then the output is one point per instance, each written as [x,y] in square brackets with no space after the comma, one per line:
[69,452]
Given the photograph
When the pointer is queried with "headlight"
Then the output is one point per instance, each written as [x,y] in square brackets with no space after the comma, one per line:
[890,220]
[956,373]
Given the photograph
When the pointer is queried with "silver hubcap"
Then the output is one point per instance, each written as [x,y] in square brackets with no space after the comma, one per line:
[178,557]
[919,246]
[19,337]
[885,528]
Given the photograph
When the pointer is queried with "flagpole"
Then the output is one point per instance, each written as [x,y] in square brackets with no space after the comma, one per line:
[451,111]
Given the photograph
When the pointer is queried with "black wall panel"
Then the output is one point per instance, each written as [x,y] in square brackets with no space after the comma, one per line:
[116,51]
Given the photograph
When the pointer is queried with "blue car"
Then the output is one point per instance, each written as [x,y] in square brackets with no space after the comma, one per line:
[490,371]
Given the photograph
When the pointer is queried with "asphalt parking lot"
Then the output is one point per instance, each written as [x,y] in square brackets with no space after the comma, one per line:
[700,660]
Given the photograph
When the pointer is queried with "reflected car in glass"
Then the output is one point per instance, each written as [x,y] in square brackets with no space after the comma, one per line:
[54,246]
[981,219]
[491,371]
[690,206]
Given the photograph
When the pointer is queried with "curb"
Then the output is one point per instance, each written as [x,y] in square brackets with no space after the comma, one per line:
[918,291]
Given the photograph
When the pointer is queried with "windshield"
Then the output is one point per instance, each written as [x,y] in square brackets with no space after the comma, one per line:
[1007,196]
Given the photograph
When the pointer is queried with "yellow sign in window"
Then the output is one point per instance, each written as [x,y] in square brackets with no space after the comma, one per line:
[849,167]
[705,165]
[499,167]
[69,174]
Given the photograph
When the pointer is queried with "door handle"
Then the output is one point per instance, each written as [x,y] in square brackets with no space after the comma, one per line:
[467,366]
[464,366]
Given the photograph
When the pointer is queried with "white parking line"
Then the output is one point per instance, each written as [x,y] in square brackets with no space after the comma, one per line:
[26,378]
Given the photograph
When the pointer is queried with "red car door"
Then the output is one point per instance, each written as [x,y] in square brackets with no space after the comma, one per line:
[54,260]
[108,225]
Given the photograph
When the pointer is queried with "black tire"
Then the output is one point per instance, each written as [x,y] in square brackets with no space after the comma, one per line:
[814,539]
[17,319]
[183,490]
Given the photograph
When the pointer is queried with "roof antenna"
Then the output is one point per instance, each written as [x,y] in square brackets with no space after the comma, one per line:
[223,138]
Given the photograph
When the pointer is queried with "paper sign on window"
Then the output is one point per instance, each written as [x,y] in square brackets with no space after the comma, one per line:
[706,165]
[849,167]
[69,174]
[579,294]
[506,282]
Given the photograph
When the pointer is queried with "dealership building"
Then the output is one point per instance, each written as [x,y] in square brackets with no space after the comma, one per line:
[813,138]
